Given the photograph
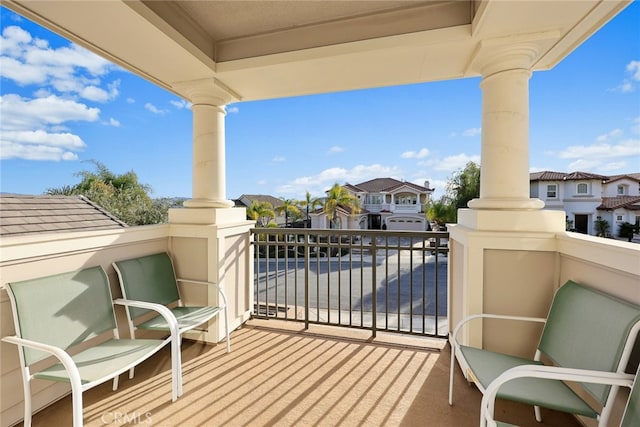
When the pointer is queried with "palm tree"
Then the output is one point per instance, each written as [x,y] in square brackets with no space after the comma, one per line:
[288,206]
[310,204]
[260,212]
[338,196]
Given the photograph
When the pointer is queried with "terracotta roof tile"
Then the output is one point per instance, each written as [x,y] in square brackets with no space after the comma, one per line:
[631,203]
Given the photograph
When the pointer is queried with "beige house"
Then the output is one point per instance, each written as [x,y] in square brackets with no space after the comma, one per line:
[386,204]
[507,253]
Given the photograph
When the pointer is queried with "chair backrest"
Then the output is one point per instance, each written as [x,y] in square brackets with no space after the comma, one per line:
[588,329]
[148,278]
[62,310]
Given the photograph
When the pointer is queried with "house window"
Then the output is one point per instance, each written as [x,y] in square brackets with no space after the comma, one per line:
[619,218]
[621,190]
[552,191]
[582,188]
[373,199]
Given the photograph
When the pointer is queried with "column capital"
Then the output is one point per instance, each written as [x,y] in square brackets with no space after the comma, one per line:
[208,91]
[498,54]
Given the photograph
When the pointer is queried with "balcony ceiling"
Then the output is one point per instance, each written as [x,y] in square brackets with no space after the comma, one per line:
[271,49]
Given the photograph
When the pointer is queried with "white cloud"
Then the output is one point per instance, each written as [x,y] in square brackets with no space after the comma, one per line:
[68,69]
[625,148]
[233,110]
[583,165]
[629,84]
[278,159]
[424,152]
[32,129]
[155,110]
[113,122]
[40,145]
[614,166]
[336,149]
[26,114]
[633,68]
[180,104]
[616,133]
[319,183]
[472,132]
[452,163]
[131,101]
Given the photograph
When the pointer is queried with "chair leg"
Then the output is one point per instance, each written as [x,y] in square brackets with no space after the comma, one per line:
[451,369]
[538,413]
[76,401]
[176,371]
[226,328]
[27,401]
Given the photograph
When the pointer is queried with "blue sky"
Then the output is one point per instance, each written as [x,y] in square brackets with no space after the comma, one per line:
[62,106]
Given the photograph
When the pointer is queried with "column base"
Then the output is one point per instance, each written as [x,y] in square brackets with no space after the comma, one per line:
[512,220]
[208,216]
[207,203]
[506,204]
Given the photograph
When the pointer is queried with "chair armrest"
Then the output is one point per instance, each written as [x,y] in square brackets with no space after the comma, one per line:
[161,309]
[453,338]
[203,282]
[546,372]
[57,352]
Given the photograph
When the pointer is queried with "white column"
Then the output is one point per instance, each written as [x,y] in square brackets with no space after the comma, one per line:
[208,100]
[504,178]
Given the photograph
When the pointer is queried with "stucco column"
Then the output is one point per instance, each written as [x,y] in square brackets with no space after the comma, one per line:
[208,100]
[504,178]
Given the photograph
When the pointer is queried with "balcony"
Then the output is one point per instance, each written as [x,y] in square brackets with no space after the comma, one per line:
[278,374]
[281,372]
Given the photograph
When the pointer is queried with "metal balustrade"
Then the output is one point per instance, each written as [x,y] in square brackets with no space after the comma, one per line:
[379,280]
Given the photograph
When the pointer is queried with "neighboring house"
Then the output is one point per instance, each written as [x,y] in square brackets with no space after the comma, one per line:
[25,215]
[246,199]
[386,203]
[586,197]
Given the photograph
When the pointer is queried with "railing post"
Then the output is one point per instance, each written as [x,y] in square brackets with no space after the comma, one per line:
[374,297]
[307,266]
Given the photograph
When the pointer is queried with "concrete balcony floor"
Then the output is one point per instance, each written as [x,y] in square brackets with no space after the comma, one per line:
[280,375]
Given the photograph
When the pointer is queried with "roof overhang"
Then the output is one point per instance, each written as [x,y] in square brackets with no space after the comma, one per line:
[259,50]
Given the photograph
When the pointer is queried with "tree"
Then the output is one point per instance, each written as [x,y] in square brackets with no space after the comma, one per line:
[441,212]
[338,196]
[121,195]
[309,203]
[288,206]
[601,227]
[626,230]
[464,185]
[260,212]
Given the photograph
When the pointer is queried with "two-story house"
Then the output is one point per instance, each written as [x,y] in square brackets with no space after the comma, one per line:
[386,203]
[586,197]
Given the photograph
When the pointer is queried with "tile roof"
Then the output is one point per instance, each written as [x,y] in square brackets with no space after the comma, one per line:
[379,185]
[575,176]
[275,202]
[631,203]
[23,214]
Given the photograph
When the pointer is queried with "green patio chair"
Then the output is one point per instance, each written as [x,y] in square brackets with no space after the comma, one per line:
[152,279]
[54,315]
[585,329]
[630,417]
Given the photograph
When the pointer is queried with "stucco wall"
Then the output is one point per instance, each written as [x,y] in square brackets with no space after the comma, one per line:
[516,283]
